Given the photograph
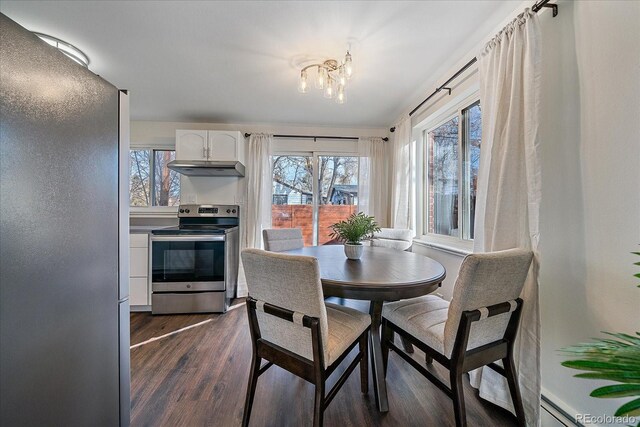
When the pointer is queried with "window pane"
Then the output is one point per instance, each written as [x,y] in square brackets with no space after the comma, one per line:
[166,182]
[139,164]
[473,136]
[338,184]
[292,200]
[442,157]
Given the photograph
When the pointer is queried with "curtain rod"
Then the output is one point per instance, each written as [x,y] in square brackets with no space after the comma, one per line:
[247,135]
[536,8]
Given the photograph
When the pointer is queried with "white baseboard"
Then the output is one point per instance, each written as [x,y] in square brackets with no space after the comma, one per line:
[556,410]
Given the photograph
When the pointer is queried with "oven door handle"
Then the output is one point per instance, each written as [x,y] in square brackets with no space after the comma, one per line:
[217,238]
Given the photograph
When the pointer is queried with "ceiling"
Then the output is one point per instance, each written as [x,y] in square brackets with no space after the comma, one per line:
[237,62]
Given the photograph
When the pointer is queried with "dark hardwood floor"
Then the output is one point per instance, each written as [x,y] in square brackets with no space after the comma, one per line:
[198,377]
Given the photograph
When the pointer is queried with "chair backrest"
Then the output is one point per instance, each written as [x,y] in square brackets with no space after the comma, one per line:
[291,282]
[282,239]
[486,279]
[394,238]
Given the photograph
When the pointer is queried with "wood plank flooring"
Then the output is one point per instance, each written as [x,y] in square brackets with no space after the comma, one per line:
[198,377]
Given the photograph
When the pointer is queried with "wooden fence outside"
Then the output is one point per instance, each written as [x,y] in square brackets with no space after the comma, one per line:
[301,216]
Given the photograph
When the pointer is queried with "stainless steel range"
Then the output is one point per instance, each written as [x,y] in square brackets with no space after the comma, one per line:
[194,266]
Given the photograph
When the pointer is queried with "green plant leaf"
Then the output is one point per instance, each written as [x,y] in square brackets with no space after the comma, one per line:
[631,408]
[591,365]
[617,390]
[619,376]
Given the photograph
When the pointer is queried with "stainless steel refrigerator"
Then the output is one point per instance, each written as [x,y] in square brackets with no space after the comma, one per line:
[64,311]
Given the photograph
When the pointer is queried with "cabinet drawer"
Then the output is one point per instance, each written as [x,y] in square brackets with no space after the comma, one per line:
[138,291]
[139,262]
[139,240]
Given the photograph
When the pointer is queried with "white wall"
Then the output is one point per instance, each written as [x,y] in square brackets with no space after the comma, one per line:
[590,212]
[590,217]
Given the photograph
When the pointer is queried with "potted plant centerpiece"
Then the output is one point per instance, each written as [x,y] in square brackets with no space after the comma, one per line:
[352,231]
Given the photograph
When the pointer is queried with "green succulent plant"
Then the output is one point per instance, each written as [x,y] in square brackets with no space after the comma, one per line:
[356,228]
[614,359]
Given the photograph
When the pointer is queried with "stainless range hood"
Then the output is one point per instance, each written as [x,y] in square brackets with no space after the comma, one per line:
[207,168]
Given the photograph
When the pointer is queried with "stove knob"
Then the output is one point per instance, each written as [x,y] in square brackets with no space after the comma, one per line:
[181,210]
[233,211]
[186,211]
[228,210]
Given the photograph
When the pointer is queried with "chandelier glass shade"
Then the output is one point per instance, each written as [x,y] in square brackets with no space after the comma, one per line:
[67,48]
[331,77]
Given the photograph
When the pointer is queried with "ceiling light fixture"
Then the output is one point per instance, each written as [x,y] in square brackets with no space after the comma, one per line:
[67,48]
[331,77]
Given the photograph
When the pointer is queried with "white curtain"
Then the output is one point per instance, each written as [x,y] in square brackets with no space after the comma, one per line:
[508,199]
[402,165]
[257,215]
[372,179]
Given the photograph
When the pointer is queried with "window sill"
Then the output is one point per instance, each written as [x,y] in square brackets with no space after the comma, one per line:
[460,248]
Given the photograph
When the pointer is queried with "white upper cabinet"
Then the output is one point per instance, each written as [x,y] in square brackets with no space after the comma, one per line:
[191,145]
[209,145]
[225,145]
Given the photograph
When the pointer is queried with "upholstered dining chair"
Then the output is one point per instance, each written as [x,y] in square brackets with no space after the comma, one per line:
[477,328]
[282,239]
[394,238]
[291,326]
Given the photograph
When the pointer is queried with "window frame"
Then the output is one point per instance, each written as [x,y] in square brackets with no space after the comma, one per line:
[151,209]
[461,243]
[315,155]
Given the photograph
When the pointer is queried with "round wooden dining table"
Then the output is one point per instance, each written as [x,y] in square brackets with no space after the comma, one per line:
[380,275]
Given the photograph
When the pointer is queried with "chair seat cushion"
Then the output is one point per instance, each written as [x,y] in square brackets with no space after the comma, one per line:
[345,326]
[400,245]
[423,317]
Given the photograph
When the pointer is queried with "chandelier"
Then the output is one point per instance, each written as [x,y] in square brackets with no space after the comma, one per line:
[331,77]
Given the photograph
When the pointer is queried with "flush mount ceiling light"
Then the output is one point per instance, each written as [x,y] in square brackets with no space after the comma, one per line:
[67,48]
[331,77]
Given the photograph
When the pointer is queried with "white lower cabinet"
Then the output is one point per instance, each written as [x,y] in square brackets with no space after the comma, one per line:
[138,291]
[139,269]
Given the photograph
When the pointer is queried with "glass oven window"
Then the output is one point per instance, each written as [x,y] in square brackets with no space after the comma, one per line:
[187,261]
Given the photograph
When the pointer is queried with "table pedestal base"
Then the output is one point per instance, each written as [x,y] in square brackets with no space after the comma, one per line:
[377,368]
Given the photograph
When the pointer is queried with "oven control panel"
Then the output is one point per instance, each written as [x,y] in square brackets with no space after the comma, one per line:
[198,211]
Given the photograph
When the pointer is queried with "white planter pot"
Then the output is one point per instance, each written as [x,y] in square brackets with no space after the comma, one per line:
[353,251]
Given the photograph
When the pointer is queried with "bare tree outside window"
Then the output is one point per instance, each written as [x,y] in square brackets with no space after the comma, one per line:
[151,182]
[293,193]
[166,181]
[139,189]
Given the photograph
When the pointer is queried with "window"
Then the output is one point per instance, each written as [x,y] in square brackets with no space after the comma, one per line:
[298,203]
[151,182]
[452,157]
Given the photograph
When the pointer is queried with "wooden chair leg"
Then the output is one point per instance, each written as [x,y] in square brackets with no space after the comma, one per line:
[408,347]
[514,389]
[251,389]
[318,406]
[364,363]
[458,398]
[387,336]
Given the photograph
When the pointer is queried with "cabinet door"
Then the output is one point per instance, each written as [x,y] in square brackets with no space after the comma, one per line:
[224,145]
[191,145]
[138,293]
[139,262]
